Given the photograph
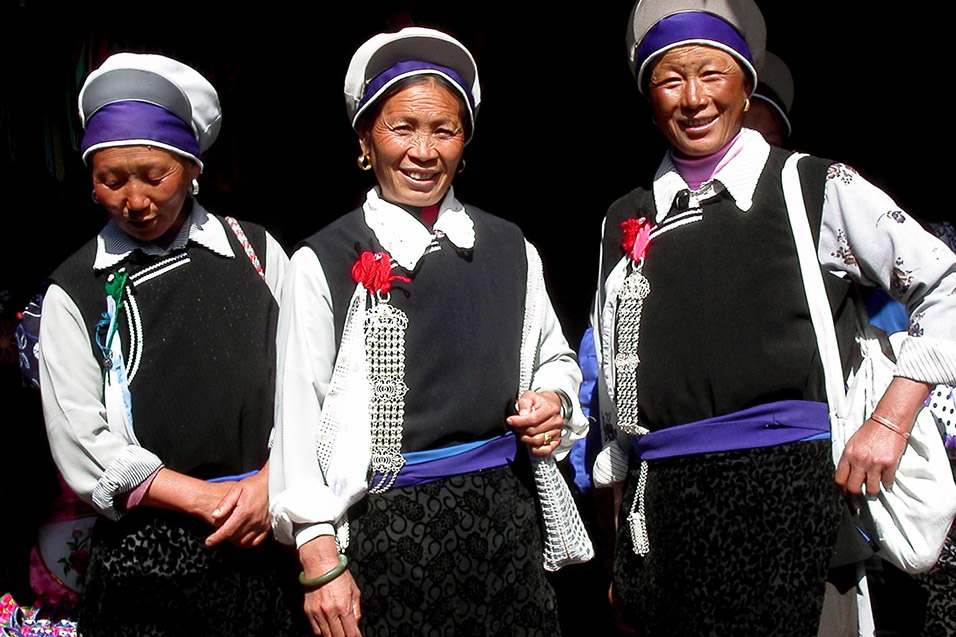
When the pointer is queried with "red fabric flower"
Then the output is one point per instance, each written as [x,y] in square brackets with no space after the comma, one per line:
[374,271]
[637,234]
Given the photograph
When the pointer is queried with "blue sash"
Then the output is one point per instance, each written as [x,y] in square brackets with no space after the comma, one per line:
[775,423]
[422,467]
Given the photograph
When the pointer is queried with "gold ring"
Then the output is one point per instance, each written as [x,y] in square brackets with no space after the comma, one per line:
[547,437]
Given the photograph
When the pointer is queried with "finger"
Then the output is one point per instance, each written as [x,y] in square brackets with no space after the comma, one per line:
[872,483]
[842,472]
[350,623]
[224,532]
[525,403]
[227,504]
[889,475]
[855,481]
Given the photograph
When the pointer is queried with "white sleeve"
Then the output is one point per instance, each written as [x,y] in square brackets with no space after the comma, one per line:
[306,357]
[865,235]
[557,366]
[97,464]
[276,263]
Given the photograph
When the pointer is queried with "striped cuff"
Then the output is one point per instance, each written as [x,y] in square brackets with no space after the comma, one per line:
[928,360]
[126,471]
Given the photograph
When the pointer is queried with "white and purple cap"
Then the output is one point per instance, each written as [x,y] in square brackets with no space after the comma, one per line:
[387,58]
[734,26]
[776,87]
[136,99]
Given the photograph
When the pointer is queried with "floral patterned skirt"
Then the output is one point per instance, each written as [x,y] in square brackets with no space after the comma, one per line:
[740,543]
[460,556]
[151,574]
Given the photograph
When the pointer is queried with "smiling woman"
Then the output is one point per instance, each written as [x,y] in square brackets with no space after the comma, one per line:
[415,141]
[408,328]
[702,325]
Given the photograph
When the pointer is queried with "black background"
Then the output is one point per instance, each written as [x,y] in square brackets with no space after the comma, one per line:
[562,130]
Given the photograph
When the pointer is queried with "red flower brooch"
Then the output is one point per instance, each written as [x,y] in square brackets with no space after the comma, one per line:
[637,234]
[374,271]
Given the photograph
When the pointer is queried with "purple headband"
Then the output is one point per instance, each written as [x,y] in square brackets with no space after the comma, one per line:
[691,26]
[138,121]
[384,78]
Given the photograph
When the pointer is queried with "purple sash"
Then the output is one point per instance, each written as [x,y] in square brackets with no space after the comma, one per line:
[766,425]
[422,467]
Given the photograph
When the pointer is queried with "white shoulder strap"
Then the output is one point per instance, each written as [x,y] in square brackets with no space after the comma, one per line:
[820,313]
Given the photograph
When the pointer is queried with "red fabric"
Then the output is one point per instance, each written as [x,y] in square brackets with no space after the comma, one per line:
[374,271]
[430,215]
[637,234]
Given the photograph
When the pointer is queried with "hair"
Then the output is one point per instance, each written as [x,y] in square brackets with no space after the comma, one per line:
[369,115]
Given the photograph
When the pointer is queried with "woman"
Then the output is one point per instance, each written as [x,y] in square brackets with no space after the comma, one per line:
[402,329]
[704,333]
[157,371]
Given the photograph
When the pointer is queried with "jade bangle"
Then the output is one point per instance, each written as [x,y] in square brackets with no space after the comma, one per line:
[325,578]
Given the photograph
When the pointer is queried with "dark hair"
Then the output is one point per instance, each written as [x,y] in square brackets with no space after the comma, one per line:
[369,115]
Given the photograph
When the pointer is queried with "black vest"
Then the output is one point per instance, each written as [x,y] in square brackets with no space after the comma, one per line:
[465,313]
[726,325]
[203,387]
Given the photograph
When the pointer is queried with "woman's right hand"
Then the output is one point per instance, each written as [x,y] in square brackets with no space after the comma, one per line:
[333,609]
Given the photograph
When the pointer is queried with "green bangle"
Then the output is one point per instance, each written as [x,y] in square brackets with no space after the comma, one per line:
[337,570]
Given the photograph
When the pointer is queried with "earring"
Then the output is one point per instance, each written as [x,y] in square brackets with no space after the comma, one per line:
[193,187]
[364,163]
[93,196]
[746,104]
[461,166]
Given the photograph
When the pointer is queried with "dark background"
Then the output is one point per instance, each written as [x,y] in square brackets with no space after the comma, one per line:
[562,131]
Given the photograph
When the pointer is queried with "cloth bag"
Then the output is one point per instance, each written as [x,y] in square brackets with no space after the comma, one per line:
[913,515]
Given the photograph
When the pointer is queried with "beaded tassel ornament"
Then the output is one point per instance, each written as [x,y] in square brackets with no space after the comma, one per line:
[630,307]
[385,327]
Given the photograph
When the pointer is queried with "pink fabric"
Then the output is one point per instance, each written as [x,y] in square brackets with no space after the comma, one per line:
[129,500]
[699,170]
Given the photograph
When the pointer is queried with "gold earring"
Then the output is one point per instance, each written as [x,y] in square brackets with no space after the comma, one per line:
[461,166]
[364,163]
[746,104]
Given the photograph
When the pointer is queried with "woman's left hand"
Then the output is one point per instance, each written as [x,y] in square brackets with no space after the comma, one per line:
[538,422]
[242,516]
[873,452]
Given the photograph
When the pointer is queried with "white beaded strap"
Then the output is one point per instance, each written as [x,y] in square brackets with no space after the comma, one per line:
[565,539]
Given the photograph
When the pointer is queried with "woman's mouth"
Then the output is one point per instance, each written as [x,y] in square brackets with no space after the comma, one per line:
[420,176]
[698,123]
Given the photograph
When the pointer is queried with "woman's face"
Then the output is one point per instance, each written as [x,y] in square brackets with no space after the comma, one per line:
[698,95]
[143,189]
[415,144]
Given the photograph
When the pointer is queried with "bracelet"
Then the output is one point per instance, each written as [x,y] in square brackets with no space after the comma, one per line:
[336,570]
[890,425]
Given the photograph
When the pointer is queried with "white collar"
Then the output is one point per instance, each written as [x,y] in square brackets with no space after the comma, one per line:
[113,245]
[739,176]
[406,238]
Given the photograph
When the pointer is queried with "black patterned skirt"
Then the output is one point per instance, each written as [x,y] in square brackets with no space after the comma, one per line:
[460,556]
[740,543]
[151,574]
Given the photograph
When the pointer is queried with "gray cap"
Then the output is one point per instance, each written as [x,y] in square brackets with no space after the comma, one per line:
[776,86]
[387,58]
[745,40]
[156,80]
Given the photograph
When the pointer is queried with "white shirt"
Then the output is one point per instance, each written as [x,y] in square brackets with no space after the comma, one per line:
[307,351]
[71,383]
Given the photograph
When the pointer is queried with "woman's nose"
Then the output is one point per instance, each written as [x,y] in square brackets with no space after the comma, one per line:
[422,148]
[136,197]
[693,95]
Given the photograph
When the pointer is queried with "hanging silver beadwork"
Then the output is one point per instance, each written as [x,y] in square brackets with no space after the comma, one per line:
[630,306]
[385,327]
[629,309]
